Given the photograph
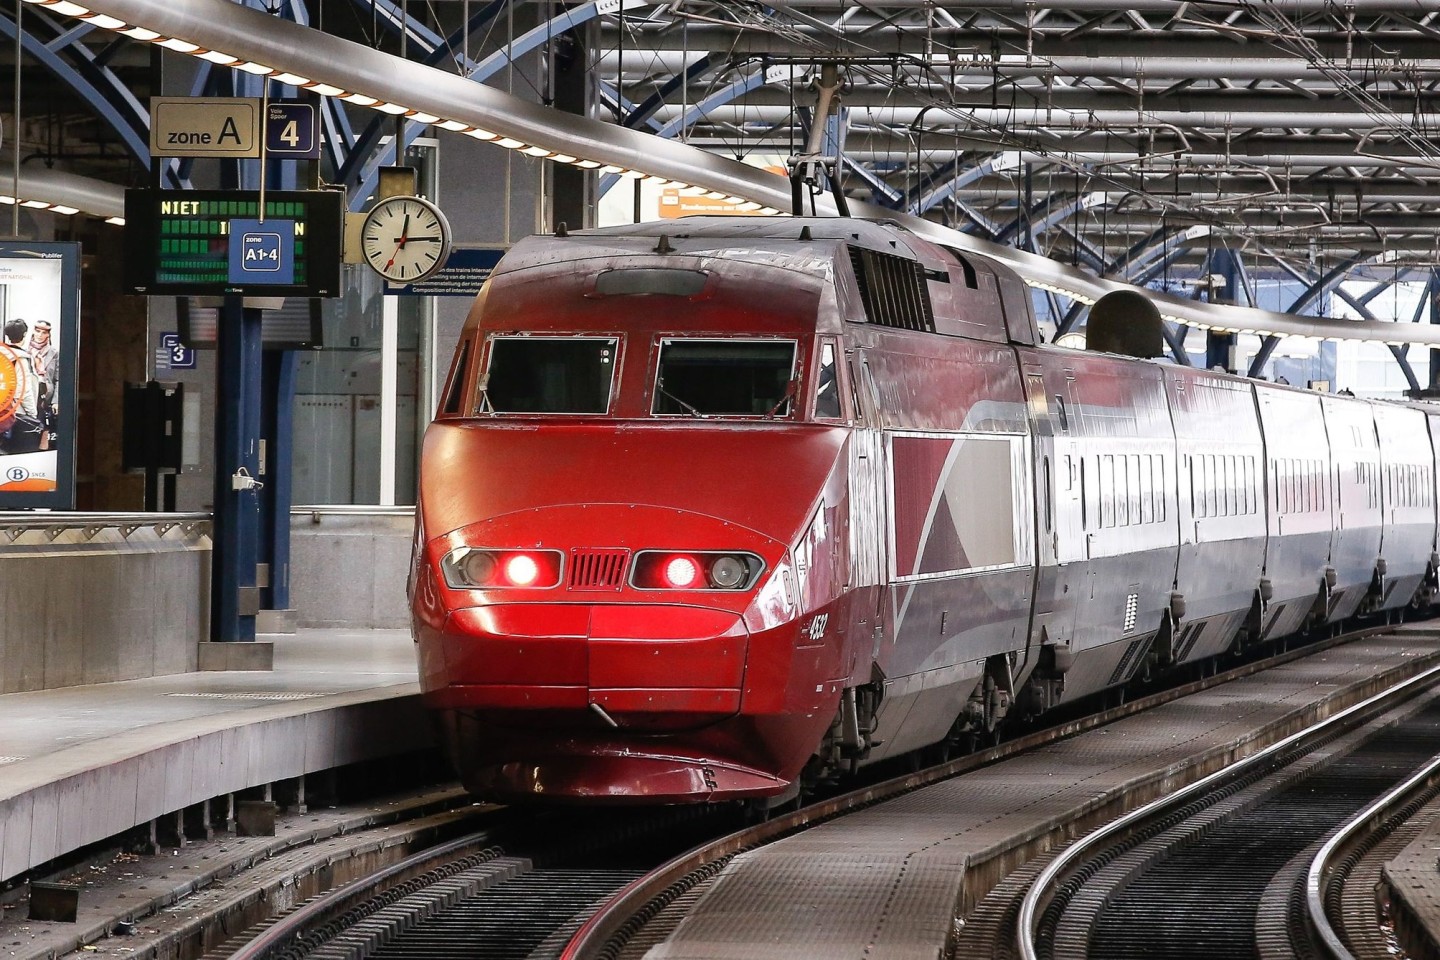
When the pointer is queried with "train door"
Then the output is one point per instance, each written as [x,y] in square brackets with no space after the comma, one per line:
[1042,434]
[1069,472]
[868,498]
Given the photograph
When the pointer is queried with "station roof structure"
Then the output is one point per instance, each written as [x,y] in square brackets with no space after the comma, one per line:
[1124,138]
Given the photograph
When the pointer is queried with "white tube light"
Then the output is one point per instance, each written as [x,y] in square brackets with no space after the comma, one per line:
[259,69]
[450,124]
[104,21]
[326,89]
[419,117]
[117,221]
[394,109]
[179,46]
[509,143]
[360,99]
[291,78]
[139,33]
[215,56]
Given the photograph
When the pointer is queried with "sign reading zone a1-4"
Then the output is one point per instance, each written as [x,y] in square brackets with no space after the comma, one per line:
[292,130]
[262,252]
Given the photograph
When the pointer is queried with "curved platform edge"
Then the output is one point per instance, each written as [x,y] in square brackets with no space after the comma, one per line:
[52,805]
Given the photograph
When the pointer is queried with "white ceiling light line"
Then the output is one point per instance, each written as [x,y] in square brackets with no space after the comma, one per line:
[253,41]
[227,34]
[66,194]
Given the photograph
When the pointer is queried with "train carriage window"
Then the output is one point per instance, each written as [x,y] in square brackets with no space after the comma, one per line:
[702,378]
[549,375]
[1232,485]
[1107,491]
[1147,499]
[1161,493]
[1190,462]
[1213,495]
[1132,464]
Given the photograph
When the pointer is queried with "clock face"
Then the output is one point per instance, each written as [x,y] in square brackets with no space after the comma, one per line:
[405,239]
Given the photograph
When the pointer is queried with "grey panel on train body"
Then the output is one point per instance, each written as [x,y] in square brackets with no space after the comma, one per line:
[1221,513]
[946,430]
[1109,535]
[1354,502]
[1406,495]
[1298,506]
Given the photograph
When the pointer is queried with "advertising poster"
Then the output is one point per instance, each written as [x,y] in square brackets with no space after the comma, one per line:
[39,334]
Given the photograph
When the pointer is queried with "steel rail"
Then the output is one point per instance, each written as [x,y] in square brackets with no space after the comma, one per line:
[1040,894]
[225,26]
[284,932]
[1365,822]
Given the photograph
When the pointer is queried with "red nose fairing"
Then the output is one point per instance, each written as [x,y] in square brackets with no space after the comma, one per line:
[599,688]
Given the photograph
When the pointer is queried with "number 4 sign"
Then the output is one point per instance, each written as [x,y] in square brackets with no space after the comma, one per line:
[292,130]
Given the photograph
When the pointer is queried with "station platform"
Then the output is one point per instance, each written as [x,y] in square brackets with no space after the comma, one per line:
[79,764]
[903,878]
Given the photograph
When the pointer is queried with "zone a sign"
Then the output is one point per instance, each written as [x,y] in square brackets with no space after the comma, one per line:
[204,127]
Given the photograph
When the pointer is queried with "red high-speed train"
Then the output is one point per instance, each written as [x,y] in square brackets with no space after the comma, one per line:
[715,506]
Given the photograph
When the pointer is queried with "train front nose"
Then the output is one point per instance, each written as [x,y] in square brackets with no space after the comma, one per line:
[641,667]
[620,673]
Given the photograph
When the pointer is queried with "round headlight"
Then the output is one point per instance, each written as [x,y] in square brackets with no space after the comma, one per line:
[522,570]
[728,572]
[478,567]
[681,572]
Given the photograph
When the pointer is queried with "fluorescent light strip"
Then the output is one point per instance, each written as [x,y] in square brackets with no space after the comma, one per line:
[70,9]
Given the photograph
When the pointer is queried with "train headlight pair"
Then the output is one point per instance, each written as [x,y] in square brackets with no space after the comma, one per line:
[466,568]
[704,570]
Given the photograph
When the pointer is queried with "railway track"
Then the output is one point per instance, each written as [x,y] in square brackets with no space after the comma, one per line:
[1237,864]
[593,884]
[519,891]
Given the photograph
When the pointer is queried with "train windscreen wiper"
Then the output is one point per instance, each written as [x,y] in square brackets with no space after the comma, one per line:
[689,408]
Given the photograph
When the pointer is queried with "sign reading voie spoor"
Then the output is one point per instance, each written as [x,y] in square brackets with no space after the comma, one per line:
[204,127]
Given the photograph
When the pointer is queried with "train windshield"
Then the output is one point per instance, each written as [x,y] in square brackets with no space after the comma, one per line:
[549,375]
[702,378]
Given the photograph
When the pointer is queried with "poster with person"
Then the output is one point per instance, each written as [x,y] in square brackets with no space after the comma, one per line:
[39,330]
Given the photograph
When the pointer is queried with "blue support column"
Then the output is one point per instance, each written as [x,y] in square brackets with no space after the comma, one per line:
[280,370]
[237,512]
[1220,347]
[1432,291]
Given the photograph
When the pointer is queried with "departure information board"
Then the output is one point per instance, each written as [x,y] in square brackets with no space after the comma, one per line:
[209,242]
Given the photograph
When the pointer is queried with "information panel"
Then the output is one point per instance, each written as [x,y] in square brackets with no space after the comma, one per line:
[39,333]
[210,242]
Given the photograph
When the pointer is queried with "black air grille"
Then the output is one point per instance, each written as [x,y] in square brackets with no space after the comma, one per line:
[597,569]
[893,290]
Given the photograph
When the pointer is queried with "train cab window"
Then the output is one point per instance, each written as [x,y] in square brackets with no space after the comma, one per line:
[827,385]
[701,378]
[549,375]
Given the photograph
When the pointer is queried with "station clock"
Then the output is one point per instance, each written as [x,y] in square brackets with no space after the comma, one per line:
[405,239]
